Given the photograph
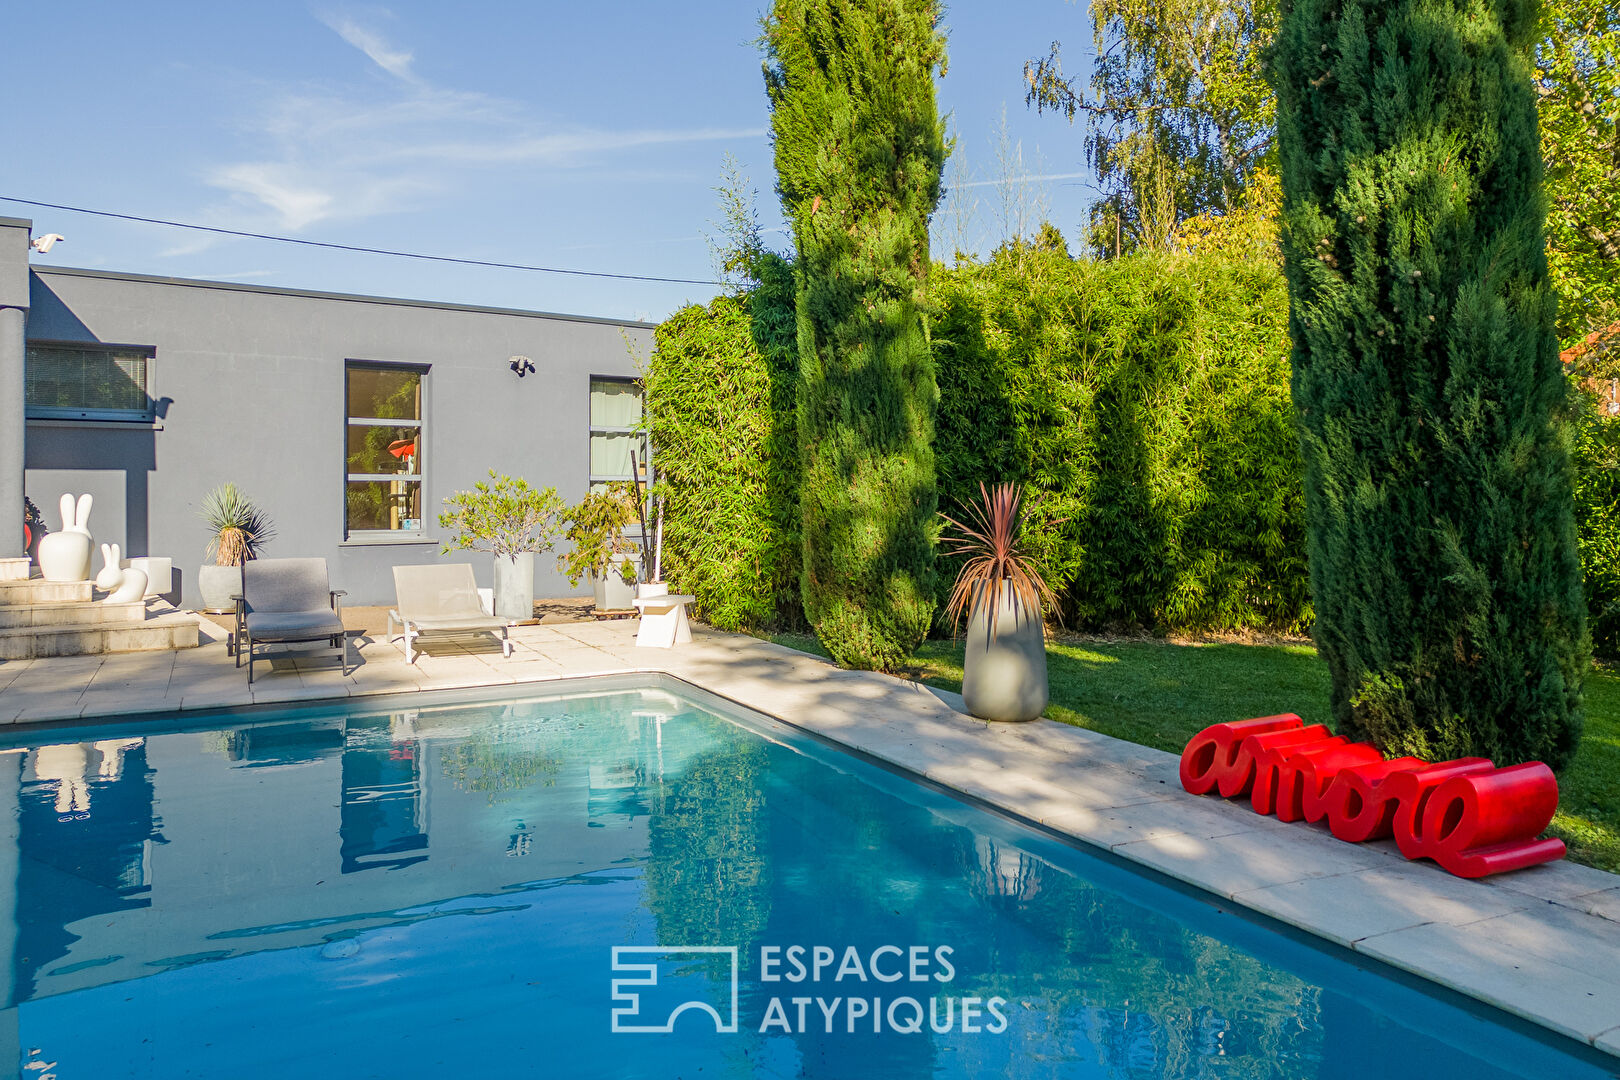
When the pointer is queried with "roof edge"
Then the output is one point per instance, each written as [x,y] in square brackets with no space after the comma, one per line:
[313,294]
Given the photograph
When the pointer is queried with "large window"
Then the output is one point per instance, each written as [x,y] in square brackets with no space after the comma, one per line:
[88,381]
[615,420]
[383,471]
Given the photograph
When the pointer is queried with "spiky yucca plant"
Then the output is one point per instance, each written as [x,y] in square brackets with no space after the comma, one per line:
[990,543]
[239,527]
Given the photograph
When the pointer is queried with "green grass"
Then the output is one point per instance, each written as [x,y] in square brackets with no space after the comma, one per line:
[1160,694]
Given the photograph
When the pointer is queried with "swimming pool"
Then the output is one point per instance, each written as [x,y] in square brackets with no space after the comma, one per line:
[492,888]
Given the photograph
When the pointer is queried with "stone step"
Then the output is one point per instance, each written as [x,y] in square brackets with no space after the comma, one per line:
[173,631]
[39,591]
[14,569]
[76,613]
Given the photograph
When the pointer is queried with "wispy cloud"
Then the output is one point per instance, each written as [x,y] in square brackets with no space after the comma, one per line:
[346,150]
[397,62]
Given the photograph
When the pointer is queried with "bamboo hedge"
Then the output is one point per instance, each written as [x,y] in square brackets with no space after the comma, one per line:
[1144,401]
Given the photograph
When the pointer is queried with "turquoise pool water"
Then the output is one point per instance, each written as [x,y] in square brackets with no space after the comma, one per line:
[440,891]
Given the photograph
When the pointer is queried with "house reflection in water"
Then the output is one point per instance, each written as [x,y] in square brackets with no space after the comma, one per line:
[85,831]
[128,858]
[384,821]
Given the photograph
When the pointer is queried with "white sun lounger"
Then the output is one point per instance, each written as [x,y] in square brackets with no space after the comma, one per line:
[440,598]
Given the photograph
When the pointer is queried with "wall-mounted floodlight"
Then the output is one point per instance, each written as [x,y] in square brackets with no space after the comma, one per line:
[43,244]
[522,365]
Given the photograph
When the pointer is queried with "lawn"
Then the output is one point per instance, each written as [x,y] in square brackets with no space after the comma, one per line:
[1160,694]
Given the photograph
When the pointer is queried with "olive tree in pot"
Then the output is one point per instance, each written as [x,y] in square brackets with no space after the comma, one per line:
[601,552]
[238,530]
[1004,669]
[513,522]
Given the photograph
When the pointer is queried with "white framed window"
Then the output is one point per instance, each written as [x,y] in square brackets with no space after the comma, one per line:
[616,410]
[76,380]
[383,443]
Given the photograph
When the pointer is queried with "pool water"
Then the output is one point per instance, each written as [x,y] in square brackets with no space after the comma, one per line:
[440,891]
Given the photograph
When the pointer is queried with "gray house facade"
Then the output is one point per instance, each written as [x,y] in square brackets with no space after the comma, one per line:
[348,419]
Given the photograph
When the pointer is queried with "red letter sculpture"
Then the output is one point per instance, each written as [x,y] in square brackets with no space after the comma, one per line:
[1467,815]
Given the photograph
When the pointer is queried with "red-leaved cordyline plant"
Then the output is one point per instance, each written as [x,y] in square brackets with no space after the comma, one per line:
[990,543]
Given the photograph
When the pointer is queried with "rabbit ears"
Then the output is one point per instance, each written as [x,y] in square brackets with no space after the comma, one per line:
[76,517]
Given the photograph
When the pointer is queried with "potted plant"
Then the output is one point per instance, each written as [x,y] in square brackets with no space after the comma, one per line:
[601,552]
[513,522]
[1004,670]
[238,529]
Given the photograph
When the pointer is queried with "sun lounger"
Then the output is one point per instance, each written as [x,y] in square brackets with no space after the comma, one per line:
[440,598]
[285,601]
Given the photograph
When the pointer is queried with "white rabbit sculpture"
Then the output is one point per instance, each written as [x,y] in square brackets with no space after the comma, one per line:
[132,586]
[112,570]
[65,555]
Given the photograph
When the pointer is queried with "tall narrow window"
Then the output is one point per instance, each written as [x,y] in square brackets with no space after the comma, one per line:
[384,449]
[615,417]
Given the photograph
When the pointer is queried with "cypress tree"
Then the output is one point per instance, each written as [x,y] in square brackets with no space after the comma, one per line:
[1431,406]
[859,147]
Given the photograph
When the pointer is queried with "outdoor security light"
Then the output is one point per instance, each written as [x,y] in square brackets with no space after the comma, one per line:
[522,365]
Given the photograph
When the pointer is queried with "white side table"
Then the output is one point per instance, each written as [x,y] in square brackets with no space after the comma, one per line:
[663,621]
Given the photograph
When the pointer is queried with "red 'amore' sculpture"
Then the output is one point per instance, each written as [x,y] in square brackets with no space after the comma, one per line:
[1467,815]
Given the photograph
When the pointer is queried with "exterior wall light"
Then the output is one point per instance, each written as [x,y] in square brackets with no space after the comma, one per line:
[522,365]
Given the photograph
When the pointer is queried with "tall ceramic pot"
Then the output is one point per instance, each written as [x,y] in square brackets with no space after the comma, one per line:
[1004,675]
[514,586]
[610,593]
[216,585]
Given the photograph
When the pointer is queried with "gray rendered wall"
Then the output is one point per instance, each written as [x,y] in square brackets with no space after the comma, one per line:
[14,243]
[250,388]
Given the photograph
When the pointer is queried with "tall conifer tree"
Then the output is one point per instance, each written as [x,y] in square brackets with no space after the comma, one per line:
[1431,406]
[859,149]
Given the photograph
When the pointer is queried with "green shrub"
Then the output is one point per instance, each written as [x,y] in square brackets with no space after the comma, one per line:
[720,406]
[595,529]
[1144,401]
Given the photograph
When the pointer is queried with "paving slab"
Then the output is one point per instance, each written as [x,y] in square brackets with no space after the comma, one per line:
[1574,1003]
[1349,907]
[1246,861]
[1605,904]
[1556,881]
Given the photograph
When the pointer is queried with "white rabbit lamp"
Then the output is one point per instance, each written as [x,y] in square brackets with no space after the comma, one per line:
[112,570]
[65,555]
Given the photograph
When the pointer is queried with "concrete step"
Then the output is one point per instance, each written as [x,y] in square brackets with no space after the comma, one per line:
[14,569]
[177,630]
[77,613]
[39,591]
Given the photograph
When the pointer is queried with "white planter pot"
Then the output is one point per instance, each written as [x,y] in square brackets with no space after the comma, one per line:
[610,593]
[1004,676]
[216,585]
[652,588]
[514,586]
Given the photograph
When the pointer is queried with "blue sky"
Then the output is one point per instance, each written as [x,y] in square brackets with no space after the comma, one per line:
[586,136]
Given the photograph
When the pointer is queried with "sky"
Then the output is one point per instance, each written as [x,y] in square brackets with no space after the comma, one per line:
[578,136]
